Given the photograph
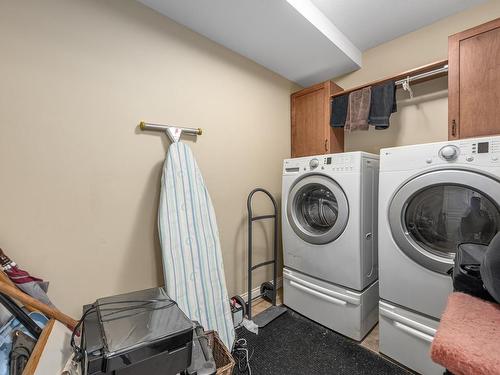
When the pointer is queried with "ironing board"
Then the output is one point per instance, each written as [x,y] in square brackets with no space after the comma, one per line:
[192,259]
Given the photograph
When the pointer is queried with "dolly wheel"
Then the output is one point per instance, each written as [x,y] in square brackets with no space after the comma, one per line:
[267,291]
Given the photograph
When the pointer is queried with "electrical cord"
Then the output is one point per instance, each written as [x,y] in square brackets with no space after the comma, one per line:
[242,357]
[78,351]
[127,309]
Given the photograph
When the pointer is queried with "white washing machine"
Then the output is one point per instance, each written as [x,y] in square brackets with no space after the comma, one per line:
[432,197]
[329,220]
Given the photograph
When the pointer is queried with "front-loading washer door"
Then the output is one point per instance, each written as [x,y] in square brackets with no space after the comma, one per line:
[433,213]
[317,209]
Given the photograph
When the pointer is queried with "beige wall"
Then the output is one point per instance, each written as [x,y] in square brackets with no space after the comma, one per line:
[424,118]
[79,184]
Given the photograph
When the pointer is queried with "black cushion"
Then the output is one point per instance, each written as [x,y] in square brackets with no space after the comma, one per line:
[490,268]
[466,274]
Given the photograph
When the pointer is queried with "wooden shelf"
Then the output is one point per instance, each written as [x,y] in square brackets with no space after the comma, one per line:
[32,364]
[402,75]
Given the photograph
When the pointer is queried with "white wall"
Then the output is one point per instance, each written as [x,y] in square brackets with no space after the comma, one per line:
[79,183]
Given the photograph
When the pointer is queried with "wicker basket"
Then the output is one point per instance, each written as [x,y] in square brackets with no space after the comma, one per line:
[223,358]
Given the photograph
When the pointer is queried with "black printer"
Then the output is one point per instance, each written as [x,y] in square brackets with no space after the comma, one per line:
[142,332]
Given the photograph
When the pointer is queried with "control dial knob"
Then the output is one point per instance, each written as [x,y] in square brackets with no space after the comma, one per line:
[314,163]
[449,152]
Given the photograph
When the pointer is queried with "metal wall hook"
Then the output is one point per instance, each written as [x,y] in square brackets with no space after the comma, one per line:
[407,87]
[173,132]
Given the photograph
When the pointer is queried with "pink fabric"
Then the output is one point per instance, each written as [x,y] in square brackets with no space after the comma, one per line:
[35,287]
[467,341]
[20,276]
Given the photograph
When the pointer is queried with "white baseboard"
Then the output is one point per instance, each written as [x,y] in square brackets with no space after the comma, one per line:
[256,290]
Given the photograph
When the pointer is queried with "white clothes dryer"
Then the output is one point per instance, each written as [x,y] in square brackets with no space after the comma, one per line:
[432,197]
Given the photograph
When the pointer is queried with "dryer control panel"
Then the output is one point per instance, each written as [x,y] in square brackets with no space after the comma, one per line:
[484,152]
[482,148]
[481,151]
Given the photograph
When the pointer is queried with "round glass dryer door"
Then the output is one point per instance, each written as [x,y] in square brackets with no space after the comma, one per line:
[317,209]
[435,212]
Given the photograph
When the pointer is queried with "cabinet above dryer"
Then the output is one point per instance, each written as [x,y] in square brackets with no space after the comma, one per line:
[474,82]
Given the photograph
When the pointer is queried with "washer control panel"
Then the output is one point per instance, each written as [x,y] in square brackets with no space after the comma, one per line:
[314,163]
[340,163]
[336,163]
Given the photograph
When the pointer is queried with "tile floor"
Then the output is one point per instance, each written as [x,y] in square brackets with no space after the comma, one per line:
[370,342]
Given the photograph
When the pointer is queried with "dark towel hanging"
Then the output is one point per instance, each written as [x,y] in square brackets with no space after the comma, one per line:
[338,111]
[383,103]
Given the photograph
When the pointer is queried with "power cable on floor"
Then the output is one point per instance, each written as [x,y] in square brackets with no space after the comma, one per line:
[242,357]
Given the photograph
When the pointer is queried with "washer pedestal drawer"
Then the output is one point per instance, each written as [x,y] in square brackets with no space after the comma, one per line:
[406,337]
[343,310]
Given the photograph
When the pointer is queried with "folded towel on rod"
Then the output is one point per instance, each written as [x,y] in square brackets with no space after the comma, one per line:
[383,104]
[338,111]
[358,110]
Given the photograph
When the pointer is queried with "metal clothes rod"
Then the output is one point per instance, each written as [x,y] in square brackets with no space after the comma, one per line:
[173,132]
[158,127]
[417,77]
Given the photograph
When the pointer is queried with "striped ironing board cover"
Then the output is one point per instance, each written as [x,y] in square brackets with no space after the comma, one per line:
[192,258]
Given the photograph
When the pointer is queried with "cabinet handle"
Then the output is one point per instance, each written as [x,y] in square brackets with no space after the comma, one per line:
[326,144]
[453,128]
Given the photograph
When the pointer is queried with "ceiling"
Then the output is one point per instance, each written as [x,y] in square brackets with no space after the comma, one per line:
[384,20]
[306,41]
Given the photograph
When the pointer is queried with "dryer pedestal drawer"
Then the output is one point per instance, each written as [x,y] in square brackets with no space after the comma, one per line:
[406,337]
[348,312]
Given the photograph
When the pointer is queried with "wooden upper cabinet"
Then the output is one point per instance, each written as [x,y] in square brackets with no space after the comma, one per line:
[311,130]
[474,82]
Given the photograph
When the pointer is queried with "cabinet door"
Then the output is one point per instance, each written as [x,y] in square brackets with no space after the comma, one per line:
[474,82]
[310,120]
[309,136]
